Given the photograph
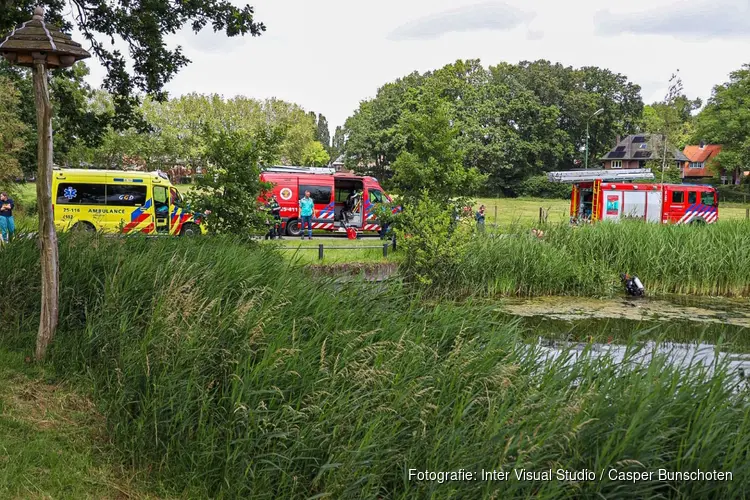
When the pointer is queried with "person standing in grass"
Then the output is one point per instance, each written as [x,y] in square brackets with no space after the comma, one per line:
[7,225]
[306,209]
[480,219]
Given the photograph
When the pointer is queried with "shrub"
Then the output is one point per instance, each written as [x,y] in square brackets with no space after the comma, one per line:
[733,194]
[539,186]
[434,239]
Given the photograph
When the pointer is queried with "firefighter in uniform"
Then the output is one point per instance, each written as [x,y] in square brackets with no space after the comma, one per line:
[274,229]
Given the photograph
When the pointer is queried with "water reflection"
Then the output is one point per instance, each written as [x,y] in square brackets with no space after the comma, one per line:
[681,355]
[683,331]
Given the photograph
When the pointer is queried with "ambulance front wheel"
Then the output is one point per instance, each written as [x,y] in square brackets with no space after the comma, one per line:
[190,230]
[293,228]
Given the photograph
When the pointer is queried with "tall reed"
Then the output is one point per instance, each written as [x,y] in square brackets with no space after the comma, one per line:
[234,374]
[710,260]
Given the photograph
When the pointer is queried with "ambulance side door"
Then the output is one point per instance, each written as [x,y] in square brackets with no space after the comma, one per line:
[161,208]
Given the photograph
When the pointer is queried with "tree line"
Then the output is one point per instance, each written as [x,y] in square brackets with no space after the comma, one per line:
[167,133]
[513,122]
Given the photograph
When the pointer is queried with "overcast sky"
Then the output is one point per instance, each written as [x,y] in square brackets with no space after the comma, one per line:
[328,55]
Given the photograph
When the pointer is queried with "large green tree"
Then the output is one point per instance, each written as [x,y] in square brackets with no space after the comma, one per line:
[373,137]
[75,121]
[228,192]
[577,93]
[514,121]
[338,142]
[12,132]
[726,120]
[430,161]
[323,134]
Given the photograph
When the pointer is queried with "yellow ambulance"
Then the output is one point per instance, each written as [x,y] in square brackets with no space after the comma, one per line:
[115,201]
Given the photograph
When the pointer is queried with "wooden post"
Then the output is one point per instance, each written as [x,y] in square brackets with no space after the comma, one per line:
[47,234]
[747,213]
[25,47]
[540,214]
[495,215]
[320,252]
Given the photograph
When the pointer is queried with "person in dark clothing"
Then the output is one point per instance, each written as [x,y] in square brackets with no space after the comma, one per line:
[273,207]
[480,218]
[7,225]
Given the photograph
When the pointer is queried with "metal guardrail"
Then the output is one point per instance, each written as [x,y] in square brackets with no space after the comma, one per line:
[321,248]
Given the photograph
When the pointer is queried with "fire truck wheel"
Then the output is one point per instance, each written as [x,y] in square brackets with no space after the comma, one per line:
[293,228]
[698,222]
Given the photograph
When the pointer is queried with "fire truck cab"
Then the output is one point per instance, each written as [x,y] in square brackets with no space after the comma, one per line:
[611,195]
[329,191]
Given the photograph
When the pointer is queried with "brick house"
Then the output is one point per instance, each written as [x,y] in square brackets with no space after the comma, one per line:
[635,150]
[699,160]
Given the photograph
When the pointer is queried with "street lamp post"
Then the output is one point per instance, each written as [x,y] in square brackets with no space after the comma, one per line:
[586,159]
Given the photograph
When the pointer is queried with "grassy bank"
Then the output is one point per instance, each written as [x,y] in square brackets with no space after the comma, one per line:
[710,260]
[53,443]
[231,373]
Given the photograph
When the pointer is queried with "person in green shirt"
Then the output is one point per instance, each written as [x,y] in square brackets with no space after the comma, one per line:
[306,209]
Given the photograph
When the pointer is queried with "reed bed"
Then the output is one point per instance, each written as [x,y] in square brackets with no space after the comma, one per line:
[231,373]
[710,260]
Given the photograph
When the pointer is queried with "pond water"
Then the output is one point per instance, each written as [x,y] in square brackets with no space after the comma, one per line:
[685,330]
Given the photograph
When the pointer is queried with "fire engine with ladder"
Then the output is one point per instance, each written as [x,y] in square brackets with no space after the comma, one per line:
[612,195]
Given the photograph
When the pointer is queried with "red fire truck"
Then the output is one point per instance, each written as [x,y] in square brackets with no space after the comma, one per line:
[611,195]
[329,190]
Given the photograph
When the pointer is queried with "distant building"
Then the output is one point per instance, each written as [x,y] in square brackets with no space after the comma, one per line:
[338,164]
[699,160]
[634,151]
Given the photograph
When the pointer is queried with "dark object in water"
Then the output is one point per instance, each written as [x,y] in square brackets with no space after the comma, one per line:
[633,285]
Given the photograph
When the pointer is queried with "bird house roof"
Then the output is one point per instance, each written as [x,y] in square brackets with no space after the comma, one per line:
[35,36]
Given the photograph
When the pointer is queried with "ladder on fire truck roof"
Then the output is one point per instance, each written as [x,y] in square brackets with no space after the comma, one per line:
[301,170]
[574,176]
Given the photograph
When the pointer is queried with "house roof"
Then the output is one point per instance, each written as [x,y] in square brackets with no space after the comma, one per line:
[339,160]
[698,155]
[640,147]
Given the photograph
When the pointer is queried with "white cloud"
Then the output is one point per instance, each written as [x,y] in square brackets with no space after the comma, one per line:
[485,16]
[691,19]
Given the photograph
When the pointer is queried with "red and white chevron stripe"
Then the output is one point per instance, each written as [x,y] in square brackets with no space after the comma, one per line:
[708,215]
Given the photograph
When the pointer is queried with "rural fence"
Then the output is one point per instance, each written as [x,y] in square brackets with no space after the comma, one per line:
[321,248]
